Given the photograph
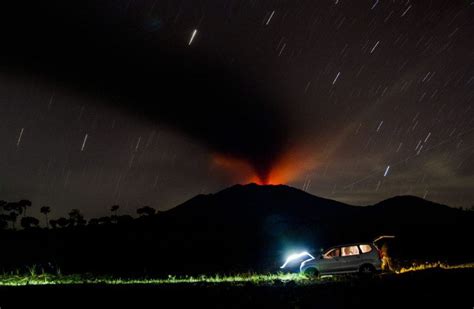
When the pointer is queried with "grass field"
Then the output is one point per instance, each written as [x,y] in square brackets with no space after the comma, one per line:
[428,288]
[49,279]
[36,277]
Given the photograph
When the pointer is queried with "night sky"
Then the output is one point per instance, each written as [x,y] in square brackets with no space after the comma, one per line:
[149,102]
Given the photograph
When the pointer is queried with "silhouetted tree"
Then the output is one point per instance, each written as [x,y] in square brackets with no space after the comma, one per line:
[13,206]
[114,209]
[2,205]
[45,210]
[146,211]
[93,221]
[99,221]
[24,204]
[29,222]
[15,209]
[54,223]
[104,220]
[4,221]
[76,218]
[62,222]
[124,219]
[12,218]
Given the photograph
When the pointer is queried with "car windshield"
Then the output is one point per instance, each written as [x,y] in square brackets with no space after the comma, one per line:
[331,253]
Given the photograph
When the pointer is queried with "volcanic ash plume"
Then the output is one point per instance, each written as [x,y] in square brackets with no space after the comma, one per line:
[158,79]
[290,166]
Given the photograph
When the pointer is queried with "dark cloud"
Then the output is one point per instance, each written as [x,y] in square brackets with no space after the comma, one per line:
[151,76]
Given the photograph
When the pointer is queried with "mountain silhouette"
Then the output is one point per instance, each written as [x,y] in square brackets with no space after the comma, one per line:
[271,220]
[271,206]
[256,202]
[246,228]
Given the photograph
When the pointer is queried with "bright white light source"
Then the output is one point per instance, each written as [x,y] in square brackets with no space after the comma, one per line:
[386,171]
[192,36]
[295,256]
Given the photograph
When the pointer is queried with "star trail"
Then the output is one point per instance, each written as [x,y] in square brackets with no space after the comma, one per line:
[134,102]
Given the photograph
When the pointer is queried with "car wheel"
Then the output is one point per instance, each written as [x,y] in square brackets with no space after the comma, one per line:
[311,272]
[367,270]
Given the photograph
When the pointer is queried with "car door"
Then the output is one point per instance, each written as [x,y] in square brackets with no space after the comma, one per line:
[330,261]
[350,258]
[368,254]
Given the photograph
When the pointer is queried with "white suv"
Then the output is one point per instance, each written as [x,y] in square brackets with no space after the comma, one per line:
[364,258]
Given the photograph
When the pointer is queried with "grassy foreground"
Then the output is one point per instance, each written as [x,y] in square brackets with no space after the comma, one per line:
[425,288]
[33,277]
[425,266]
[45,279]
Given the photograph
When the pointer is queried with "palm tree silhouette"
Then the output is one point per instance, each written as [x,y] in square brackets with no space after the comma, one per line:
[114,210]
[13,206]
[45,210]
[13,211]
[24,204]
[12,218]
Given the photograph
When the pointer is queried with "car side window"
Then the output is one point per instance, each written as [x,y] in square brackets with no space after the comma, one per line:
[332,253]
[350,250]
[365,248]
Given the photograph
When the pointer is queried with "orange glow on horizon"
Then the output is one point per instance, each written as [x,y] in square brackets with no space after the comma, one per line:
[288,168]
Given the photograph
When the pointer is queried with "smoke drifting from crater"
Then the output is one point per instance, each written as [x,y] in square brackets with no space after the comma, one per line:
[148,75]
[289,166]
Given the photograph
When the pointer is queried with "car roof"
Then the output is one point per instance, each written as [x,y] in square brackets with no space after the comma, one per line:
[348,245]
